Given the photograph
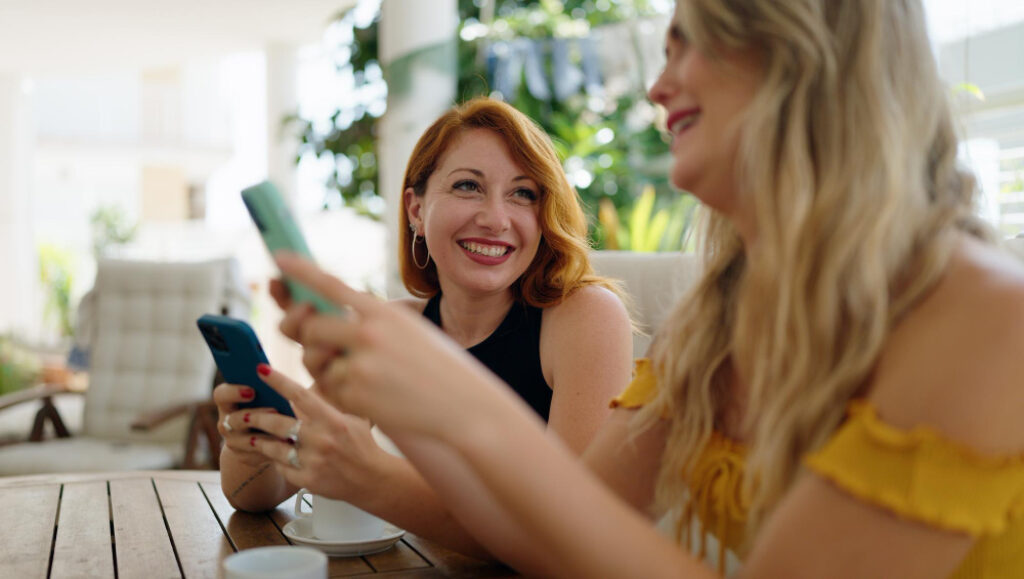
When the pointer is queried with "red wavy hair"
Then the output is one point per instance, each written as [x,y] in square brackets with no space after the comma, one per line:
[561,264]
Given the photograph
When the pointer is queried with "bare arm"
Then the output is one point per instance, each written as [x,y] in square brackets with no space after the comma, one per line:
[340,460]
[586,351]
[952,364]
[549,497]
[247,478]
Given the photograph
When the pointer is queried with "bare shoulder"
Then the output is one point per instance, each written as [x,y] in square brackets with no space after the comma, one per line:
[588,332]
[414,305]
[588,305]
[956,361]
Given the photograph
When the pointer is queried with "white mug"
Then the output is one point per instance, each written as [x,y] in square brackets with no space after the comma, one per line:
[339,521]
[278,562]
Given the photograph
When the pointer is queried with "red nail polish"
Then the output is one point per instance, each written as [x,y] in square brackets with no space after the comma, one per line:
[248,393]
[246,417]
[252,441]
[263,370]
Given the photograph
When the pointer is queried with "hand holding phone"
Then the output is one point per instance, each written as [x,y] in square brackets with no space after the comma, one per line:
[279,230]
[237,352]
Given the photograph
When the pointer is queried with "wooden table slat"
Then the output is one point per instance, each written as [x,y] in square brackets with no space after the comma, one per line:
[26,538]
[197,535]
[141,544]
[165,524]
[453,564]
[401,556]
[82,548]
[246,530]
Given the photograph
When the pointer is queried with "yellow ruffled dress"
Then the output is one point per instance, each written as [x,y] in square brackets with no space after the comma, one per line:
[916,474]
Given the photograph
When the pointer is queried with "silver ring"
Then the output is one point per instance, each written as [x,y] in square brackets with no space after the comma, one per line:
[227,425]
[293,458]
[293,433]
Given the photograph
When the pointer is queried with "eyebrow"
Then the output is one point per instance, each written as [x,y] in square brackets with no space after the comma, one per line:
[480,174]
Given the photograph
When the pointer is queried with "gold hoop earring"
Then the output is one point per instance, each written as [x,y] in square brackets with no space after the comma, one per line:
[415,238]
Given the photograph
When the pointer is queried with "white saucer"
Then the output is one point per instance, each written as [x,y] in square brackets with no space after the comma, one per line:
[300,531]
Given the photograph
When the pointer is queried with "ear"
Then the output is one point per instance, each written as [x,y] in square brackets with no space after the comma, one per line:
[413,208]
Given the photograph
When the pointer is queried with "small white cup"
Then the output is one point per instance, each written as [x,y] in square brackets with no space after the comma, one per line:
[276,563]
[339,521]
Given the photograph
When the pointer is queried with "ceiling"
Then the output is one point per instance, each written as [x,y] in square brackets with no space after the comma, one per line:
[74,36]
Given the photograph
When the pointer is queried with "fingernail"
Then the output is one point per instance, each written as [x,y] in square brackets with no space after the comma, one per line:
[248,393]
[246,417]
[263,370]
[252,441]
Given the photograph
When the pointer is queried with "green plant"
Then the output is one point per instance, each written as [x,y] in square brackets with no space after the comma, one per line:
[645,230]
[609,144]
[18,369]
[109,228]
[56,274]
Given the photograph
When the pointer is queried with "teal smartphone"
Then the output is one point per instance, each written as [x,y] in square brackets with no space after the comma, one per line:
[237,351]
[280,231]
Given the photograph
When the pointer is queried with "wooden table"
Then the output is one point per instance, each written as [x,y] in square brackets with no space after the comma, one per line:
[155,524]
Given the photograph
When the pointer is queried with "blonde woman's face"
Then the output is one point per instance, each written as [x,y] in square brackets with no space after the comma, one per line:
[704,98]
[479,215]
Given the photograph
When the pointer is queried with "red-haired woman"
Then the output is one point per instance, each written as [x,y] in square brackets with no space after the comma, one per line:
[493,247]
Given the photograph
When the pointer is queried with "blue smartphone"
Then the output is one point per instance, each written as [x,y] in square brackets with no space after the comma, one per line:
[279,230]
[237,352]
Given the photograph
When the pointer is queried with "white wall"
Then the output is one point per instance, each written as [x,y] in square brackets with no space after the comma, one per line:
[20,307]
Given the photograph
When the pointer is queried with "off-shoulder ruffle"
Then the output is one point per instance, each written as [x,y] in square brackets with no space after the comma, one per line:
[921,475]
[641,389]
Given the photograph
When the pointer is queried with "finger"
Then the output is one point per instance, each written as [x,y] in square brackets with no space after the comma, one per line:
[337,372]
[279,291]
[278,452]
[328,286]
[271,448]
[273,424]
[309,403]
[331,333]
[316,358]
[294,318]
[239,422]
[230,394]
[246,442]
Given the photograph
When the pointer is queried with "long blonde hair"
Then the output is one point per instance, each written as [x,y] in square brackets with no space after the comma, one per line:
[848,155]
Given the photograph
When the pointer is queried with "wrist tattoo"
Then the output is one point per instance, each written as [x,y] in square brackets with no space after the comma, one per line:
[251,478]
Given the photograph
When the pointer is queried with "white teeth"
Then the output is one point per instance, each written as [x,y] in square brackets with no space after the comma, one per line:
[488,250]
[683,123]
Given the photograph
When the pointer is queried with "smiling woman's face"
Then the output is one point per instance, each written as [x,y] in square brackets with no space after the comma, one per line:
[705,98]
[479,215]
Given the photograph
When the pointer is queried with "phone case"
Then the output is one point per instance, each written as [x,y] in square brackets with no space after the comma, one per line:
[237,352]
[280,231]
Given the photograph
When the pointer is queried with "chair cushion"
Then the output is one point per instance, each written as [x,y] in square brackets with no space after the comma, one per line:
[146,352]
[654,281]
[86,455]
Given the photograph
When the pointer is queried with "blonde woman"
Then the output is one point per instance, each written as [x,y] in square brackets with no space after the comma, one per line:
[494,248]
[840,395]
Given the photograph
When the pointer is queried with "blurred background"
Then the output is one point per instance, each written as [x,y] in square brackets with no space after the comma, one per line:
[128,128]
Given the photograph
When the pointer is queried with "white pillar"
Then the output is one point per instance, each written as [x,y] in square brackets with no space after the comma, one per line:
[20,305]
[417,52]
[282,99]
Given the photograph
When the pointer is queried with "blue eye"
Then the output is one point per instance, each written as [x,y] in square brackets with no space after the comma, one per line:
[524,193]
[467,185]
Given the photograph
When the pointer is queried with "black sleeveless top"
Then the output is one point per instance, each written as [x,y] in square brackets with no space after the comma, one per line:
[512,352]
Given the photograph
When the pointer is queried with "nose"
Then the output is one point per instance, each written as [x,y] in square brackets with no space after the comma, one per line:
[659,91]
[493,214]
